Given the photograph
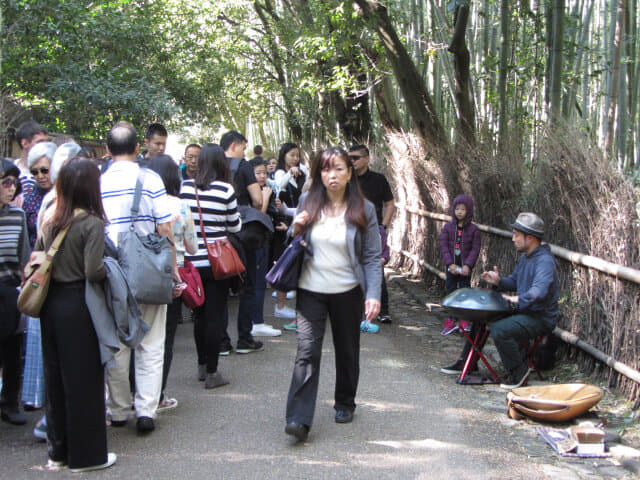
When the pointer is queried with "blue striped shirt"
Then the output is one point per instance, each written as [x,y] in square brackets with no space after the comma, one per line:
[118,185]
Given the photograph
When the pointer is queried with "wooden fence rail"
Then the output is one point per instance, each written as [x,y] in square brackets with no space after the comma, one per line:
[588,261]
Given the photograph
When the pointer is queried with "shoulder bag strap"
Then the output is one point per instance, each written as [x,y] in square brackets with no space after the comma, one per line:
[135,205]
[204,237]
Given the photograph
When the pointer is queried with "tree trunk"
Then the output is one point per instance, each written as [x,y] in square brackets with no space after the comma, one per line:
[414,90]
[466,111]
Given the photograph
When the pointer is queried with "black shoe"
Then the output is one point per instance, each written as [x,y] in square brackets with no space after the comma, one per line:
[13,416]
[301,432]
[456,368]
[145,425]
[517,378]
[225,348]
[344,416]
[215,380]
[249,346]
[118,423]
[384,319]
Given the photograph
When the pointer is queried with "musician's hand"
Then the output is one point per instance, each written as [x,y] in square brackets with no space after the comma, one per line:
[491,276]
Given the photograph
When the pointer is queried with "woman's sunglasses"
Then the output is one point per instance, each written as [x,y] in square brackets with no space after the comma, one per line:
[42,170]
[10,182]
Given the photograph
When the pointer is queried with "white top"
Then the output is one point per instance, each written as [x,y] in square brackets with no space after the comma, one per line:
[330,269]
[118,185]
[219,214]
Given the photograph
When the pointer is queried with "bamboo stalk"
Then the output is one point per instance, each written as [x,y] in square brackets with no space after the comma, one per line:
[619,271]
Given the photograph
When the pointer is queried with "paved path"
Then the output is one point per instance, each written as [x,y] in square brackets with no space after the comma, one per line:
[411,421]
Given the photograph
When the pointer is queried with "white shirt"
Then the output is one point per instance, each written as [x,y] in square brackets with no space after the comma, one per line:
[330,269]
[118,185]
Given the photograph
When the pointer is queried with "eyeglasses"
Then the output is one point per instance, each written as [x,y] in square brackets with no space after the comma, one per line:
[357,157]
[42,170]
[10,182]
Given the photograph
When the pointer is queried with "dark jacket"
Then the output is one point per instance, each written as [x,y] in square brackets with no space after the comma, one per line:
[535,279]
[471,241]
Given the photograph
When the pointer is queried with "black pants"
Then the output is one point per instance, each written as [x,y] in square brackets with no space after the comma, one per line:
[74,378]
[208,321]
[174,311]
[454,282]
[345,311]
[11,356]
[384,297]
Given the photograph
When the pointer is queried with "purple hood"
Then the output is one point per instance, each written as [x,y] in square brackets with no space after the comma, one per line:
[467,201]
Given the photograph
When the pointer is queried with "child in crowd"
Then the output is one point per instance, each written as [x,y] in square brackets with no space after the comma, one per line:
[459,246]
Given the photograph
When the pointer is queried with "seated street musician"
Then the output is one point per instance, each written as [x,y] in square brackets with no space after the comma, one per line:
[535,280]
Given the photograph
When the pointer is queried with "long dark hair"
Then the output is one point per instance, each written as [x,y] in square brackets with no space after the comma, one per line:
[212,165]
[169,172]
[284,149]
[317,197]
[78,186]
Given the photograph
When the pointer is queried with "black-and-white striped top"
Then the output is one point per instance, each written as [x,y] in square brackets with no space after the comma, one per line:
[219,214]
[14,244]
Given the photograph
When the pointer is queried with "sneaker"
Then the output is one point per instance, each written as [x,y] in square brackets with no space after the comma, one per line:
[456,368]
[225,349]
[368,327]
[290,294]
[264,330]
[285,312]
[249,346]
[291,327]
[301,432]
[167,404]
[344,416]
[384,319]
[517,378]
[40,430]
[464,325]
[111,459]
[145,425]
[449,327]
[55,464]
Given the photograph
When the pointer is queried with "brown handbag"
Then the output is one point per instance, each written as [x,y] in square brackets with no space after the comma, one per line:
[223,258]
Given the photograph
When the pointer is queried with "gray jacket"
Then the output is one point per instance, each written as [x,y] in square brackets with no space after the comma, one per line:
[364,251]
[115,313]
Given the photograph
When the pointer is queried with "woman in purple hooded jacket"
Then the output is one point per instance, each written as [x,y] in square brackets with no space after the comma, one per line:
[459,246]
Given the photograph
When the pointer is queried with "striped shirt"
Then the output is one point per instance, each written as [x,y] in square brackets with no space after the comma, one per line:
[14,244]
[219,215]
[118,185]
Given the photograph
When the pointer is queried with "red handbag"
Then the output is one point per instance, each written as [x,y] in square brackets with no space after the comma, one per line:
[193,295]
[223,258]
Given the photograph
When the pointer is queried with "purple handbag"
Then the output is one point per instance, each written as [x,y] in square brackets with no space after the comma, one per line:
[285,272]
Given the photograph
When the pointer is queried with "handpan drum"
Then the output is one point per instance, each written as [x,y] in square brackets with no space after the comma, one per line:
[476,305]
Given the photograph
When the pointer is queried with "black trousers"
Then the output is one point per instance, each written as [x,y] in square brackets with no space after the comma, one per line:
[73,377]
[345,312]
[208,320]
[174,311]
[11,357]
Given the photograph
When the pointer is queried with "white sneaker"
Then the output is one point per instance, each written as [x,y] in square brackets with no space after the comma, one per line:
[290,294]
[264,330]
[111,459]
[285,312]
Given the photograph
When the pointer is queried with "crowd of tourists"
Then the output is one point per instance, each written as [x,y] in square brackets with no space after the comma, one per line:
[95,329]
[220,223]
